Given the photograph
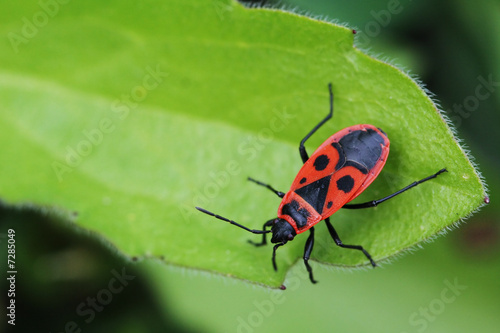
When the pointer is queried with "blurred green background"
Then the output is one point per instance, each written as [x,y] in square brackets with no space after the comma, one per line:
[451,285]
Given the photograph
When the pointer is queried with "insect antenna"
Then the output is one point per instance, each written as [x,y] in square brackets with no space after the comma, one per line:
[232,222]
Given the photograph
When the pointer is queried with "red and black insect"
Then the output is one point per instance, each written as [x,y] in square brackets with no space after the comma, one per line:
[336,173]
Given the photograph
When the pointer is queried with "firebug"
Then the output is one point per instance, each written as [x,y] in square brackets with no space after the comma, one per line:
[335,174]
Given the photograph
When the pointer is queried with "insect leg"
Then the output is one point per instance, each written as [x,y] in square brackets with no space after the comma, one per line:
[374,203]
[264,242]
[302,149]
[337,240]
[307,253]
[274,255]
[278,193]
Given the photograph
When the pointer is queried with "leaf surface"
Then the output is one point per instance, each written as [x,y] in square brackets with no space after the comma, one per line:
[123,117]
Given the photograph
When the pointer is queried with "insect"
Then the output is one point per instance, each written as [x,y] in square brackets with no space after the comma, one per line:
[335,174]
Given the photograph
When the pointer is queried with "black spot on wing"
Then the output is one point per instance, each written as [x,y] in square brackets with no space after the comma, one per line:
[299,215]
[345,184]
[321,162]
[329,204]
[303,180]
[315,193]
[363,147]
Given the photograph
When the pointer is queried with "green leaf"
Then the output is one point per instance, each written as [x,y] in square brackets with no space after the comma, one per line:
[123,117]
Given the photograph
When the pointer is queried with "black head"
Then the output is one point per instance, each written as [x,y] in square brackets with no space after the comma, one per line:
[282,231]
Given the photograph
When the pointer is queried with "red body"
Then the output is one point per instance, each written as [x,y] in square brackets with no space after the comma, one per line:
[336,173]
